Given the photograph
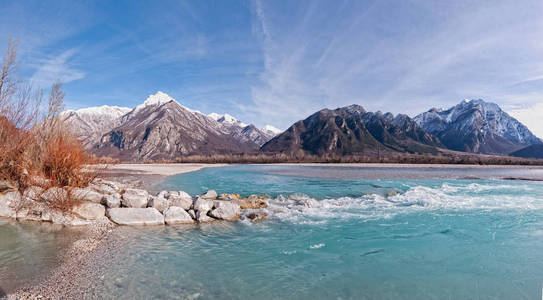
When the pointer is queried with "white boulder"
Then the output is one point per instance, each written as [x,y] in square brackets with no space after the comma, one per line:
[8,203]
[225,210]
[180,199]
[112,201]
[203,205]
[54,194]
[177,215]
[135,198]
[33,193]
[89,211]
[87,194]
[160,203]
[106,188]
[211,194]
[202,217]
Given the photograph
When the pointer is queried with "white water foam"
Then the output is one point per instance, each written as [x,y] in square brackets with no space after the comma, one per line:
[302,209]
[317,246]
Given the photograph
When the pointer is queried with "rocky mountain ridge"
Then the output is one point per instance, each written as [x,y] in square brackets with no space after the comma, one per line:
[352,130]
[162,128]
[477,126]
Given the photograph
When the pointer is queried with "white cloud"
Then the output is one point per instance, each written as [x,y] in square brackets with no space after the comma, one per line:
[403,58]
[531,117]
[57,68]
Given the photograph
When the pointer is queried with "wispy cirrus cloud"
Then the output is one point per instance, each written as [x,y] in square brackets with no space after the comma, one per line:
[57,68]
[401,57]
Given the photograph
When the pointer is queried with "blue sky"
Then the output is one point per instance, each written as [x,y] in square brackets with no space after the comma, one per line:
[275,62]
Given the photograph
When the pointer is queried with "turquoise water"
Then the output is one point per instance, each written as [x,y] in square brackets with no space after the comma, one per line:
[349,233]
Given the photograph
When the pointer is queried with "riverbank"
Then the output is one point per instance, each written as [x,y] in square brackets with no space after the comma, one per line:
[146,175]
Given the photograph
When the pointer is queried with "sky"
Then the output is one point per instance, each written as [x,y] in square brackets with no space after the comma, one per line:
[276,62]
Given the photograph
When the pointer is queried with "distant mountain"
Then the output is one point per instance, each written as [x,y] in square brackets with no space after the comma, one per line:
[91,123]
[161,128]
[532,151]
[242,131]
[352,130]
[477,126]
[271,130]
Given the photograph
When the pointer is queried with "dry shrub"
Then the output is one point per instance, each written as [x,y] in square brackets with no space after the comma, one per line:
[64,161]
[38,150]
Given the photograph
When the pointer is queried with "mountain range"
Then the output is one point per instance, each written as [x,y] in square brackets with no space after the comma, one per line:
[352,130]
[162,129]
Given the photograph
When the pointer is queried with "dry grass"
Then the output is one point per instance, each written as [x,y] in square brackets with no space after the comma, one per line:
[37,149]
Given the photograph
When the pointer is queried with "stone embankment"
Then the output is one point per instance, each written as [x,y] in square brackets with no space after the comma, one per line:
[122,205]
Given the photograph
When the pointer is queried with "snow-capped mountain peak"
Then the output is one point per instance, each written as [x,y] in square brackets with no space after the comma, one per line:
[226,119]
[271,130]
[89,123]
[158,99]
[477,126]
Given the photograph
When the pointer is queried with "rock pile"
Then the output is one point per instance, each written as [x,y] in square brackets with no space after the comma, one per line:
[126,206]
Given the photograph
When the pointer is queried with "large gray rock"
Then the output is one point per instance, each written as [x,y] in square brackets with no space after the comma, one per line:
[225,210]
[202,217]
[135,216]
[135,198]
[33,211]
[203,205]
[177,215]
[8,203]
[33,193]
[87,194]
[159,203]
[54,194]
[211,195]
[89,211]
[180,199]
[106,188]
[112,201]
[58,217]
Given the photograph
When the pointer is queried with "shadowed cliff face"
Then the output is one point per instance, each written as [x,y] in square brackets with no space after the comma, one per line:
[168,130]
[352,130]
[477,126]
[532,151]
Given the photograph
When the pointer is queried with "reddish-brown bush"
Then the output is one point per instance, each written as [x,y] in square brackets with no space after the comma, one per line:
[34,150]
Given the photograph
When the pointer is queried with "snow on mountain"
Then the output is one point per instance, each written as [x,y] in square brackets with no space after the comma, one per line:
[477,126]
[271,130]
[156,100]
[226,119]
[168,130]
[90,123]
[162,128]
[242,131]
